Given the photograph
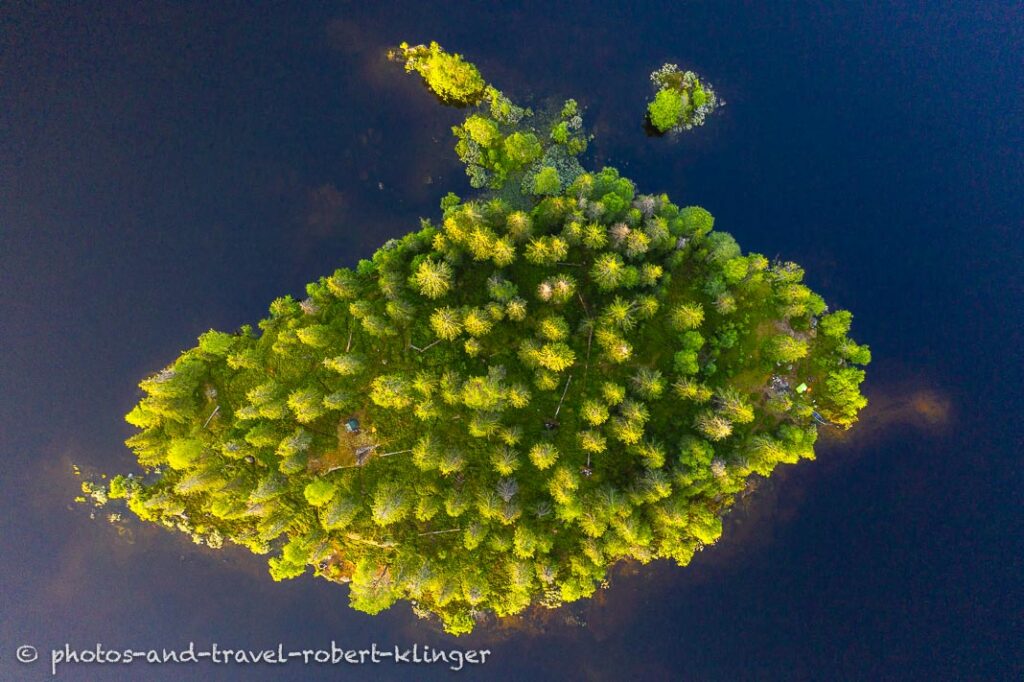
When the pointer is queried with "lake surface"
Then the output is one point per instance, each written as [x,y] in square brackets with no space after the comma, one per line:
[166,169]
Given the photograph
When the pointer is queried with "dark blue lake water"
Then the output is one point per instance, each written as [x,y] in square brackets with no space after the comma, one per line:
[168,168]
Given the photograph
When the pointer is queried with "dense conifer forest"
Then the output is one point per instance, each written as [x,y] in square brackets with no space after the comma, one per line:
[551,376]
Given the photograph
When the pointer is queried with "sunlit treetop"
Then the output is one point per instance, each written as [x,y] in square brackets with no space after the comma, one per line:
[681,101]
[546,379]
[449,76]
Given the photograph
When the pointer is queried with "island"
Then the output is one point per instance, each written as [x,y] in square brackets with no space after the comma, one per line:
[555,375]
[682,101]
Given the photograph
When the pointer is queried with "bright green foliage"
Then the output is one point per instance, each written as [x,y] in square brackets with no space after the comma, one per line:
[843,394]
[448,76]
[184,452]
[546,182]
[502,150]
[546,250]
[119,487]
[307,404]
[666,110]
[695,221]
[392,391]
[682,101]
[216,343]
[594,411]
[543,455]
[446,323]
[522,148]
[783,348]
[346,364]
[319,492]
[391,504]
[433,279]
[687,316]
[835,325]
[608,271]
[316,335]
[484,131]
[491,411]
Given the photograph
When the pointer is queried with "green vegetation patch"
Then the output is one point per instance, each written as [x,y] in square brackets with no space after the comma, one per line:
[682,100]
[449,76]
[494,409]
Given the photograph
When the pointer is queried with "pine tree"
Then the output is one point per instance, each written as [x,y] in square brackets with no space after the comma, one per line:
[687,316]
[347,364]
[315,335]
[306,404]
[504,460]
[390,504]
[608,271]
[543,455]
[783,348]
[556,356]
[446,323]
[592,441]
[713,426]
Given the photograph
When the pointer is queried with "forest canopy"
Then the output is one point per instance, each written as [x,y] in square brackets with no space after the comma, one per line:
[550,377]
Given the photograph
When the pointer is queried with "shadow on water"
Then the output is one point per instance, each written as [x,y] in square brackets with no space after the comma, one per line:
[909,404]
